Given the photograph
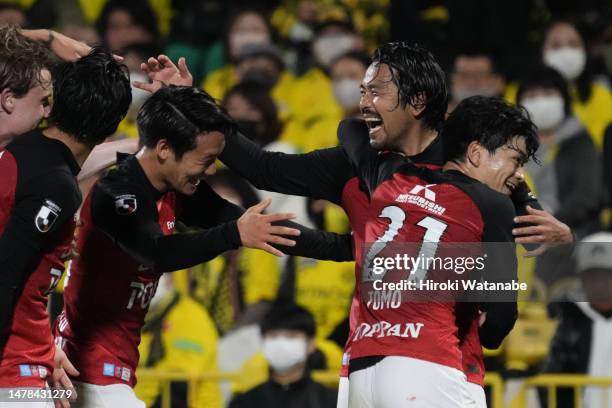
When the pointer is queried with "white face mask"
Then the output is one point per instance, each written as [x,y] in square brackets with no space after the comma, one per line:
[568,61]
[284,353]
[240,39]
[330,46]
[347,93]
[546,112]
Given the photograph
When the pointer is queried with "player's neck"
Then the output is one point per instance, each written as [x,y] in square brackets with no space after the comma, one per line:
[458,166]
[416,140]
[148,162]
[80,151]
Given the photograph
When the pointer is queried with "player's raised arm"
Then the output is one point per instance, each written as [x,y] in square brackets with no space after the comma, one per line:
[105,155]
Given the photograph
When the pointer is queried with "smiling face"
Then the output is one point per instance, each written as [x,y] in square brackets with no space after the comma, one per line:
[387,119]
[501,170]
[183,175]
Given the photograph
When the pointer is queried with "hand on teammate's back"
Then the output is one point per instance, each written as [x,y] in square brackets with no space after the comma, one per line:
[544,229]
[162,71]
[256,229]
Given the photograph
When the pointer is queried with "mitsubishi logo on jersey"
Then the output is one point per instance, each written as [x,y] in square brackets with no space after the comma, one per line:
[430,195]
[426,201]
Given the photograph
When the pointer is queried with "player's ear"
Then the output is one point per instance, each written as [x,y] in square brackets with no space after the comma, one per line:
[7,100]
[163,149]
[417,105]
[474,153]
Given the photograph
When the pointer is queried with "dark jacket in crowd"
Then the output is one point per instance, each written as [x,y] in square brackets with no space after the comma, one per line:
[304,393]
[570,350]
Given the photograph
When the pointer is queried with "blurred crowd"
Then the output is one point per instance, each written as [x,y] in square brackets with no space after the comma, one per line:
[288,71]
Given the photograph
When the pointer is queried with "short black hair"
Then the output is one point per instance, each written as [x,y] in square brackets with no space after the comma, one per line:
[180,114]
[416,73]
[286,315]
[90,96]
[542,76]
[491,122]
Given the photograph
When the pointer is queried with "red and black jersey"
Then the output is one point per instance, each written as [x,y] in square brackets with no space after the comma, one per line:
[328,174]
[124,243]
[409,204]
[38,198]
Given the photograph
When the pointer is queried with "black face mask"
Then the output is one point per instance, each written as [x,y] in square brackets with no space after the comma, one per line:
[261,77]
[248,128]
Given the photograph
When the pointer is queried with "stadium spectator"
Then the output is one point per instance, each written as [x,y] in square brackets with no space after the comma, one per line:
[564,50]
[133,55]
[245,26]
[250,104]
[581,344]
[475,73]
[178,335]
[573,194]
[288,339]
[346,73]
[125,22]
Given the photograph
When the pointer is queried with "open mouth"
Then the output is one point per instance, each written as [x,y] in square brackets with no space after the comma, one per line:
[510,186]
[374,123]
[194,181]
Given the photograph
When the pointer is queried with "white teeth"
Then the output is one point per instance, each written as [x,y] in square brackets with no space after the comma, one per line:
[197,182]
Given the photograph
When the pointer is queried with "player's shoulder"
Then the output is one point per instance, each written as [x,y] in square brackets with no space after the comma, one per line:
[120,191]
[491,203]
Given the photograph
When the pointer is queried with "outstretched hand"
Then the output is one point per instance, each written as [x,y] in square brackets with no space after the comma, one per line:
[162,71]
[256,229]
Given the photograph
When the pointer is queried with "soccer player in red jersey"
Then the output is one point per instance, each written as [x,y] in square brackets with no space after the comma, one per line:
[407,350]
[127,238]
[327,173]
[38,199]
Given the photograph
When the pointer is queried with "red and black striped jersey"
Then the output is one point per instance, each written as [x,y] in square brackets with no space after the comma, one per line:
[38,198]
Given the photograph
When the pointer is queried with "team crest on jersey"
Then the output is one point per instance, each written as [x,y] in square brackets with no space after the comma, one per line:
[126,204]
[46,216]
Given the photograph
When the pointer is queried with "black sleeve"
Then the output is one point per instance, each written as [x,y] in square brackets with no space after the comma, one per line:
[205,208]
[320,174]
[354,139]
[42,208]
[501,266]
[138,233]
[318,244]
